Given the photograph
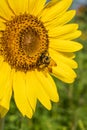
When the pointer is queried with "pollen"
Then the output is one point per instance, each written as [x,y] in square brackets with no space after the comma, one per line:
[24,41]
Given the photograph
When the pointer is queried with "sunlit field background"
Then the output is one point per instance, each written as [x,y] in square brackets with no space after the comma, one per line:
[71,112]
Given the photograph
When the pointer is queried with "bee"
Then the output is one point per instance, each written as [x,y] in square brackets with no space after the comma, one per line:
[46,62]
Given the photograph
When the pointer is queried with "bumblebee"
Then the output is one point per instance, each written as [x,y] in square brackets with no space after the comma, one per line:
[46,62]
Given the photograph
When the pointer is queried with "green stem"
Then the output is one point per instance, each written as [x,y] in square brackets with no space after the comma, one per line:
[1,123]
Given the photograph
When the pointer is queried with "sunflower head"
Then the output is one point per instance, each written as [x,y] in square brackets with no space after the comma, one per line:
[35,41]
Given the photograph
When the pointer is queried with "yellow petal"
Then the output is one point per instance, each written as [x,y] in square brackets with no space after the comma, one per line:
[39,92]
[65,45]
[57,56]
[51,12]
[19,6]
[48,85]
[65,18]
[62,30]
[5,72]
[64,72]
[5,96]
[2,20]
[5,101]
[23,5]
[31,4]
[20,94]
[70,36]
[70,55]
[2,26]
[35,6]
[5,10]
[51,3]
[30,92]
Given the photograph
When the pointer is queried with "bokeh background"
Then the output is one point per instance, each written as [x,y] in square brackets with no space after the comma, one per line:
[71,112]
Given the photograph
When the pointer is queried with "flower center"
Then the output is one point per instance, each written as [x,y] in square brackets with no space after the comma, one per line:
[25,43]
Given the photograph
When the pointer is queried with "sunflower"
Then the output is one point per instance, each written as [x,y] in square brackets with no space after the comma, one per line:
[35,43]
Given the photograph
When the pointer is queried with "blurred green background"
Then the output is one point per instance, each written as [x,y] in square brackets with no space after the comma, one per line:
[71,112]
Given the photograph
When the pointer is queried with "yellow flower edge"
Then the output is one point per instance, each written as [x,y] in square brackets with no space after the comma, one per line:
[52,34]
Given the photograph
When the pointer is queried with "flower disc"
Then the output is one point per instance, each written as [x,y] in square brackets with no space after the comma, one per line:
[24,41]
